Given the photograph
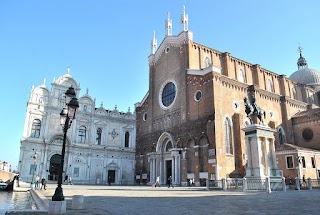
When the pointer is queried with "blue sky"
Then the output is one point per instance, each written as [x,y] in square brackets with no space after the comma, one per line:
[107,44]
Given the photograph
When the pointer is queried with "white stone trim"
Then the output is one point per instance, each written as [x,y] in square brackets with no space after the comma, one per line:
[138,104]
[204,71]
[175,41]
[195,96]
[161,91]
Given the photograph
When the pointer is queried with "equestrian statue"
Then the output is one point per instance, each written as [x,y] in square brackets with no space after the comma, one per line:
[253,110]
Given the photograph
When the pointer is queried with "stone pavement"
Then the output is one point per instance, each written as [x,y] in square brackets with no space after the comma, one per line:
[120,200]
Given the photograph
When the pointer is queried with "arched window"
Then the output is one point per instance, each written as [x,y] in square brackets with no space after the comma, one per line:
[207,62]
[228,136]
[270,86]
[126,139]
[35,130]
[82,134]
[242,76]
[99,132]
[168,146]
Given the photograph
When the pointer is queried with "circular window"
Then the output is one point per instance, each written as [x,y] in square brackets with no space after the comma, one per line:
[307,134]
[168,94]
[145,115]
[167,49]
[198,96]
[271,114]
[236,105]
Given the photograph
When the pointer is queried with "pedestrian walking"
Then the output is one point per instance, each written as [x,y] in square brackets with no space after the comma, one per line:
[109,180]
[290,180]
[43,183]
[170,182]
[70,180]
[304,182]
[157,182]
[36,184]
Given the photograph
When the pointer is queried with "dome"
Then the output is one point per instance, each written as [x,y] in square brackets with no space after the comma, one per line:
[306,76]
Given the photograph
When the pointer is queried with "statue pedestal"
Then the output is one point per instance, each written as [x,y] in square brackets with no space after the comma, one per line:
[261,154]
[57,207]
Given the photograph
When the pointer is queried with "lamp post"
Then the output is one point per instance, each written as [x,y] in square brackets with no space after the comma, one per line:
[66,116]
[35,159]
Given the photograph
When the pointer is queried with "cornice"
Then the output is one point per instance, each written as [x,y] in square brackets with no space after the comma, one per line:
[293,102]
[231,82]
[268,95]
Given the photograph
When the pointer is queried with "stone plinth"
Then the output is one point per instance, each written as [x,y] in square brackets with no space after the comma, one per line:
[260,152]
[77,202]
[57,207]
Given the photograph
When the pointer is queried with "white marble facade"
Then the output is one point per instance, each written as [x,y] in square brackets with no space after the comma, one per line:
[100,146]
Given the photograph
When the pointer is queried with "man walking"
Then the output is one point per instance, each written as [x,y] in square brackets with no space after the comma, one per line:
[170,182]
[43,183]
[36,184]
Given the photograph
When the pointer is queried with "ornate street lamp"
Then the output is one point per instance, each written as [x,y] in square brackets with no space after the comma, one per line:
[66,116]
[35,159]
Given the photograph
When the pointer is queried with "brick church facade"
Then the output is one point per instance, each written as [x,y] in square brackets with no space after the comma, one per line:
[189,122]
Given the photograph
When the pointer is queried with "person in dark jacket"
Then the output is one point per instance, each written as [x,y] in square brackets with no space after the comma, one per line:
[43,183]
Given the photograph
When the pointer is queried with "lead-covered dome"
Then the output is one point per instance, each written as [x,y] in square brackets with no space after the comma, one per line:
[305,75]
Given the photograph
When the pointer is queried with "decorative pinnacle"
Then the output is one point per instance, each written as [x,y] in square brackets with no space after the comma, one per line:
[300,50]
[184,19]
[68,69]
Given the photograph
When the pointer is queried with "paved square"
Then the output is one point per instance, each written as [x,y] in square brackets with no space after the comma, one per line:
[120,200]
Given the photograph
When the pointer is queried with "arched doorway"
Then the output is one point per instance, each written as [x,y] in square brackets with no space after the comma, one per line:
[54,167]
[166,160]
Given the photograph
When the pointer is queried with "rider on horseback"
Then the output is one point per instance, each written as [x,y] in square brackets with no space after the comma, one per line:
[253,110]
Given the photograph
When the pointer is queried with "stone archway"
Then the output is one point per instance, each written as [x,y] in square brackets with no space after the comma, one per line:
[166,160]
[55,161]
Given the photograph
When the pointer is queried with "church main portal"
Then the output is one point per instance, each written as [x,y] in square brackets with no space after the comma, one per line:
[165,161]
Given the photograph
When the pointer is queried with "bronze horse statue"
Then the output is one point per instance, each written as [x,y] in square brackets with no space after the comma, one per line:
[253,110]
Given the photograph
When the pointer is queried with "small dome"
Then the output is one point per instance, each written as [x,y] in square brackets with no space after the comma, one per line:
[306,76]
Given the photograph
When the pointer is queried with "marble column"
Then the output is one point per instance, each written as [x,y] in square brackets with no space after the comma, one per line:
[178,166]
[173,170]
[162,179]
[154,172]
[151,169]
